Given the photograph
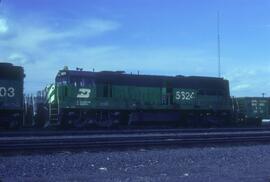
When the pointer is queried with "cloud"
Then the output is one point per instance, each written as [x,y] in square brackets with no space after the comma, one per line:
[20,58]
[3,26]
[42,48]
[97,26]
[30,38]
[165,60]
[248,81]
[240,87]
[45,47]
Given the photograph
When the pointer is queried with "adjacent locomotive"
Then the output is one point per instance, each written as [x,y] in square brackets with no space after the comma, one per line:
[107,98]
[11,95]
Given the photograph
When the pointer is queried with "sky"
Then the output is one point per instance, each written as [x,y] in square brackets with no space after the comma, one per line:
[172,37]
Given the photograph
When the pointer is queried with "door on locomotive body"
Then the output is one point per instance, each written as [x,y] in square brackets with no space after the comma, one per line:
[167,93]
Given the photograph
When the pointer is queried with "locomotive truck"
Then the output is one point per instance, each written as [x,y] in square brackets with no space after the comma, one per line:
[106,99]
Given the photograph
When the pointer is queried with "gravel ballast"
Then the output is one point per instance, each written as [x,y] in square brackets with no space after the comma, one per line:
[230,163]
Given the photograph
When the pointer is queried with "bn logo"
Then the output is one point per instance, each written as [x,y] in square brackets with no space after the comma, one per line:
[84,93]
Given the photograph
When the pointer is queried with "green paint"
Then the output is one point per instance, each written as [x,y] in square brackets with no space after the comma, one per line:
[11,94]
[121,97]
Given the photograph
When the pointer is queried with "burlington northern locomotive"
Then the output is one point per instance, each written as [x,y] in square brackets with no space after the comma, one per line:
[79,98]
[11,95]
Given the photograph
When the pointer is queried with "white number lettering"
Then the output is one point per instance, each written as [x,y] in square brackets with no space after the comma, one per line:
[178,96]
[184,95]
[3,91]
[187,96]
[10,92]
[191,95]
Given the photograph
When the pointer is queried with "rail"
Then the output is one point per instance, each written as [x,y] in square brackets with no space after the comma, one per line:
[135,139]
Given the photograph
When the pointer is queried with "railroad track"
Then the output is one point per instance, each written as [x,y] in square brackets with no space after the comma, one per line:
[118,140]
[44,132]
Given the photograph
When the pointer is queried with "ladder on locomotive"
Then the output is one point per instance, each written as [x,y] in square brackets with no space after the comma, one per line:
[53,114]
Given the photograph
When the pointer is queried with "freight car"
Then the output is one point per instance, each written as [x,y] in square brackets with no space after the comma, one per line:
[105,99]
[251,110]
[11,95]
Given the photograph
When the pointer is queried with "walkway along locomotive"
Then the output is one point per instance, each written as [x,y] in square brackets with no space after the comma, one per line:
[79,98]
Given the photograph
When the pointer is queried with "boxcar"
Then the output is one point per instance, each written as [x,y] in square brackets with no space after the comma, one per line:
[252,110]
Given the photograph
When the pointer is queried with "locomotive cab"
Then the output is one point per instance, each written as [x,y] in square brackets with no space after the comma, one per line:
[72,86]
[71,97]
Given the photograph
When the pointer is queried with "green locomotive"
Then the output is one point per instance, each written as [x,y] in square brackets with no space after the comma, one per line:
[11,95]
[79,98]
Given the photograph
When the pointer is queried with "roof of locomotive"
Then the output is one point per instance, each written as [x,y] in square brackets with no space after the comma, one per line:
[122,78]
[9,71]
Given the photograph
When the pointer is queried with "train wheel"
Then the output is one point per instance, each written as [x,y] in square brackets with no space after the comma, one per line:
[15,121]
[79,123]
[71,120]
[213,121]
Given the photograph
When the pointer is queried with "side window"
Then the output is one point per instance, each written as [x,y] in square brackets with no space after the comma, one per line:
[61,80]
[82,82]
[75,81]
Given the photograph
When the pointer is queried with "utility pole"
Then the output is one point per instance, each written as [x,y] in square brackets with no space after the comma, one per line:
[218,45]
